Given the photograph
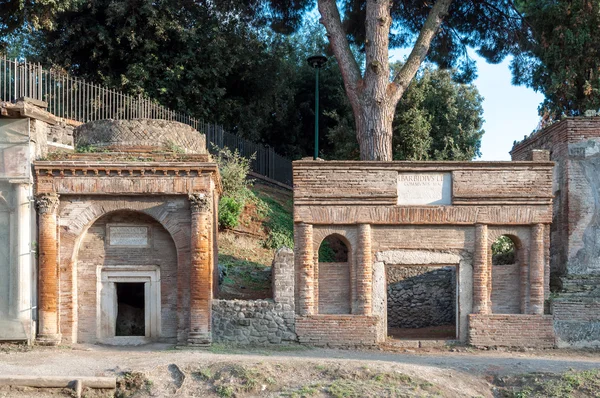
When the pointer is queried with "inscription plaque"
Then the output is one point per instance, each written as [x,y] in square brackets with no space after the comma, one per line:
[424,188]
[128,236]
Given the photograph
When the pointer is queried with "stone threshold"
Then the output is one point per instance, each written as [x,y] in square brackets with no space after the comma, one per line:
[417,343]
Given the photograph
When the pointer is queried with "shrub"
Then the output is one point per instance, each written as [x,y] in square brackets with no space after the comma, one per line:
[230,209]
[234,169]
[280,224]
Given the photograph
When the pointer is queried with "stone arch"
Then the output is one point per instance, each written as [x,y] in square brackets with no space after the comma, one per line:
[508,283]
[78,214]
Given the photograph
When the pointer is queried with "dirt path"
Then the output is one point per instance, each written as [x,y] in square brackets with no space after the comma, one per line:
[465,373]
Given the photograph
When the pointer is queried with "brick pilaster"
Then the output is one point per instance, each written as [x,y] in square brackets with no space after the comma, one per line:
[364,270]
[480,271]
[306,269]
[48,290]
[536,270]
[200,271]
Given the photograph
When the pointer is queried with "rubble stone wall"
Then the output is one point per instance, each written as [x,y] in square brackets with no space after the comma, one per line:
[421,296]
[260,321]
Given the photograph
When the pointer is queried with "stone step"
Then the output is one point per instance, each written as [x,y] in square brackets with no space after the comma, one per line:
[589,286]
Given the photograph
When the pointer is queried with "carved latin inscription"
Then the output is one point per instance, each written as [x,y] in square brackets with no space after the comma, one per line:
[128,236]
[424,189]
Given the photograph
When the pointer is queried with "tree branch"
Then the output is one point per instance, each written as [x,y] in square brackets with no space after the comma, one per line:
[419,52]
[330,18]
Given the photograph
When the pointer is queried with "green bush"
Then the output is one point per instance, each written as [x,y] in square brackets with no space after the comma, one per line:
[230,210]
[234,169]
[280,224]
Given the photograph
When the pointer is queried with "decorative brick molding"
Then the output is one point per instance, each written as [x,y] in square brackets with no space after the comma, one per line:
[515,330]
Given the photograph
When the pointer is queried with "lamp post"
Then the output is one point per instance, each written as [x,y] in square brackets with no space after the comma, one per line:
[317,62]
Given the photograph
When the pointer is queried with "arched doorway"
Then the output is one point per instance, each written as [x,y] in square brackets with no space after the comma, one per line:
[334,276]
[126,281]
[506,260]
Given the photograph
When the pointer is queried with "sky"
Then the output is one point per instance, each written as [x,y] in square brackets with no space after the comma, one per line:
[510,112]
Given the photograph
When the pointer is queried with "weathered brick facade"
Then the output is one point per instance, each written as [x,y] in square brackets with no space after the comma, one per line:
[574,145]
[384,215]
[162,217]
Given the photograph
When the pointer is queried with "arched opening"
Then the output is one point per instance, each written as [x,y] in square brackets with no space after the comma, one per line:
[126,280]
[334,276]
[505,295]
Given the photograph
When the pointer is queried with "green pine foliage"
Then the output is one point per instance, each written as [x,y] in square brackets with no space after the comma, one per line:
[560,58]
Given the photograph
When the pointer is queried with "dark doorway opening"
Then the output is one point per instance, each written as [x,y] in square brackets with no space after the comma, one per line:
[131,319]
[421,302]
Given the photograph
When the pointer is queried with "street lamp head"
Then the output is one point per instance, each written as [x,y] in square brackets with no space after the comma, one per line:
[317,61]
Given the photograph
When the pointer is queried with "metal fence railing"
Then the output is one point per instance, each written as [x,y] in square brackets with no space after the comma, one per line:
[73,98]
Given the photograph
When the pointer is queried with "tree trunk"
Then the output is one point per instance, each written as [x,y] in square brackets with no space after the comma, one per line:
[374,130]
[372,96]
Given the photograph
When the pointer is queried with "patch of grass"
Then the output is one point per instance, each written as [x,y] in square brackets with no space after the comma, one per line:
[225,391]
[280,223]
[204,374]
[130,384]
[219,348]
[570,384]
[244,275]
[232,379]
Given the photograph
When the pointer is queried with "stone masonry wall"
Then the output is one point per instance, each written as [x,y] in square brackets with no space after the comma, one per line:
[252,322]
[260,321]
[421,296]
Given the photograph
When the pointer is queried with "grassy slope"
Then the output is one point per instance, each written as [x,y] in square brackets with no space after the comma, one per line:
[247,252]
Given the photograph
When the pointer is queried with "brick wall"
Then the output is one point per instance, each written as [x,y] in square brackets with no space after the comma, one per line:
[95,252]
[334,288]
[515,330]
[337,330]
[506,298]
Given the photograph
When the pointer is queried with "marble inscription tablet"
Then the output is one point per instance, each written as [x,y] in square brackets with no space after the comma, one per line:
[424,188]
[128,236]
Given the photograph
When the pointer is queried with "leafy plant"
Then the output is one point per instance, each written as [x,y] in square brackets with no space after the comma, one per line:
[230,209]
[280,224]
[326,253]
[503,251]
[234,169]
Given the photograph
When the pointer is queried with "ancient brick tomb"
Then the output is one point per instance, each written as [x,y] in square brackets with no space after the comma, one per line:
[127,238]
[421,233]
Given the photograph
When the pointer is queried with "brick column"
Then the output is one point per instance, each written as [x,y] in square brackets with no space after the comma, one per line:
[364,270]
[536,270]
[48,290]
[306,269]
[200,271]
[480,271]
